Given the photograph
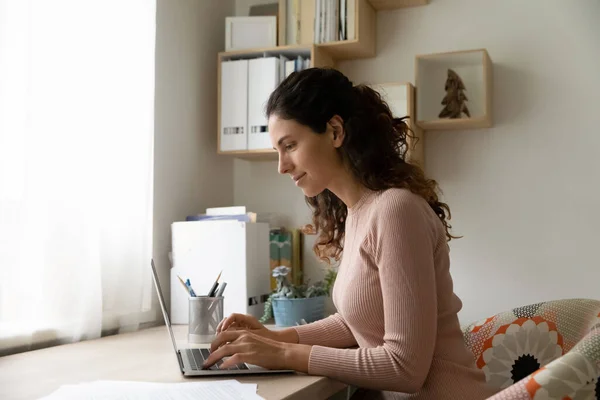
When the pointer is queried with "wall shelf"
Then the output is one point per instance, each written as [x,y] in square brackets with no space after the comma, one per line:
[455,124]
[288,50]
[395,4]
[252,155]
[363,46]
[431,73]
[318,56]
[348,49]
[321,55]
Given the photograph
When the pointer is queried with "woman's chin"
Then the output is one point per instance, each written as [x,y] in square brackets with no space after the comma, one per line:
[311,192]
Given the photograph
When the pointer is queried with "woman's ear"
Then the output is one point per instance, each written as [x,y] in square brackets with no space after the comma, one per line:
[337,131]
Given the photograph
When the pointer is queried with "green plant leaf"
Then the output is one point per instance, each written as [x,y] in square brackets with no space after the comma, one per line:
[268,313]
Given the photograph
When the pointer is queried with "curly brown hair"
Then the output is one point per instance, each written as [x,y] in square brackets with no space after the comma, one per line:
[374,146]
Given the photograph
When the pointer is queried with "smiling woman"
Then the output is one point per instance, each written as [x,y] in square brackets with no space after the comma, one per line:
[396,330]
[324,126]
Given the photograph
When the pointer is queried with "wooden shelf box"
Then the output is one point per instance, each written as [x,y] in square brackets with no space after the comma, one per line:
[252,155]
[400,99]
[395,4]
[362,46]
[474,68]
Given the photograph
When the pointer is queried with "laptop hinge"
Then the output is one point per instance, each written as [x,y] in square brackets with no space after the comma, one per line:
[180,361]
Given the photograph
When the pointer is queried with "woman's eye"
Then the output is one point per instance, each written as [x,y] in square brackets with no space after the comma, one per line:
[289,147]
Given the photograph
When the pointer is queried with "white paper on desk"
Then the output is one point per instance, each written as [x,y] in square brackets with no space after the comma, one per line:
[125,390]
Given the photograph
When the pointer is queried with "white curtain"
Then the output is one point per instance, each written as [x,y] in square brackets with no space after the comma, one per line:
[76,168]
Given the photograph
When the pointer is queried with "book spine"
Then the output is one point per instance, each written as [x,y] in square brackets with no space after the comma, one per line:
[274,256]
[241,218]
[285,253]
[297,262]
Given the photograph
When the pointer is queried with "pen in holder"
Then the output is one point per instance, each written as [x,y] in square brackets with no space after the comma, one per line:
[205,315]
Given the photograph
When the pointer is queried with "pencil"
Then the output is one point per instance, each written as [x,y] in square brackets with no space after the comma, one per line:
[212,290]
[187,290]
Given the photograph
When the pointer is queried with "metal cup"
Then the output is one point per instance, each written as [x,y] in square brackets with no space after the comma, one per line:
[205,315]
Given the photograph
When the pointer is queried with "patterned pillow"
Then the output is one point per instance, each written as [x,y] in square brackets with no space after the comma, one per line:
[546,350]
[573,376]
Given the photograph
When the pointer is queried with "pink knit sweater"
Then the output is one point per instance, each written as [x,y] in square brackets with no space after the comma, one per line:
[395,301]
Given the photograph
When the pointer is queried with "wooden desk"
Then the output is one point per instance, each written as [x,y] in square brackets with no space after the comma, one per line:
[146,355]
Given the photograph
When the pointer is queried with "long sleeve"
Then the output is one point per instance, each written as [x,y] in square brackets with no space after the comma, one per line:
[401,242]
[331,332]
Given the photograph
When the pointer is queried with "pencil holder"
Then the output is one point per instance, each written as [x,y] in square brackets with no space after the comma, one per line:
[205,315]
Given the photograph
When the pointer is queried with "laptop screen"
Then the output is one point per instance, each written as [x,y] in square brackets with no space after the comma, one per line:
[162,304]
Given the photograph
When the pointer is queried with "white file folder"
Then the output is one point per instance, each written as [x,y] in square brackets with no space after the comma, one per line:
[202,249]
[234,105]
[263,78]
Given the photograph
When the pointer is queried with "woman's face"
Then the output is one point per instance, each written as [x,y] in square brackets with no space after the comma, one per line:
[311,159]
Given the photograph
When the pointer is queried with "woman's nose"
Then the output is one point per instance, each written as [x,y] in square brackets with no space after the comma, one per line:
[284,165]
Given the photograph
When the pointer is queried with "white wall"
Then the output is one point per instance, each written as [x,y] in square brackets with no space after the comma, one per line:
[189,176]
[523,193]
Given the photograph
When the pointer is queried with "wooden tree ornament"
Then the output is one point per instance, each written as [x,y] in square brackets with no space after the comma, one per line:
[454,101]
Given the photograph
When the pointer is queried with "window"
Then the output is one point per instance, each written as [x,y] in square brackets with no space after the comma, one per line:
[76,168]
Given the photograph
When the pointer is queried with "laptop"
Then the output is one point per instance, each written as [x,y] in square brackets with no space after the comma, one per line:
[191,359]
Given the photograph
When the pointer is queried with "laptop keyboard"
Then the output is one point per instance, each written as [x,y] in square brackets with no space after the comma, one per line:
[196,358]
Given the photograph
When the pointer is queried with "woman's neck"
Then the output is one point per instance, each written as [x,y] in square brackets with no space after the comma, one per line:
[347,188]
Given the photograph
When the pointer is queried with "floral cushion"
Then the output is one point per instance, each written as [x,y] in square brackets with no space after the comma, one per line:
[547,350]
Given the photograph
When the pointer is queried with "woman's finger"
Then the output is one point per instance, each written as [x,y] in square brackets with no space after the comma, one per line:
[235,359]
[252,322]
[243,321]
[220,325]
[224,351]
[230,320]
[235,326]
[225,337]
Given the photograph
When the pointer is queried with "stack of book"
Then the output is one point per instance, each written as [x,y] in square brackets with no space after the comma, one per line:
[320,21]
[285,248]
[287,66]
[238,213]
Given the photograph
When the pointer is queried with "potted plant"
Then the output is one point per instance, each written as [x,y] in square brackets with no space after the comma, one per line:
[296,304]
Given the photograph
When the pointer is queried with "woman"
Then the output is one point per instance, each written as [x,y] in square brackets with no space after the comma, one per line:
[396,334]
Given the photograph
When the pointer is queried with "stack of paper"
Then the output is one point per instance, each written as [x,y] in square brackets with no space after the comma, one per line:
[124,390]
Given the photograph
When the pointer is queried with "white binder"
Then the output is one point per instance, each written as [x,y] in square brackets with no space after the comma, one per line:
[201,249]
[263,77]
[234,105]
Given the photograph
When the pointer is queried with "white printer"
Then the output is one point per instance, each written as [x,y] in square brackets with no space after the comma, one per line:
[202,249]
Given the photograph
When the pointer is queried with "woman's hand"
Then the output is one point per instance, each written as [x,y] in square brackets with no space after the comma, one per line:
[242,346]
[240,321]
[248,323]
